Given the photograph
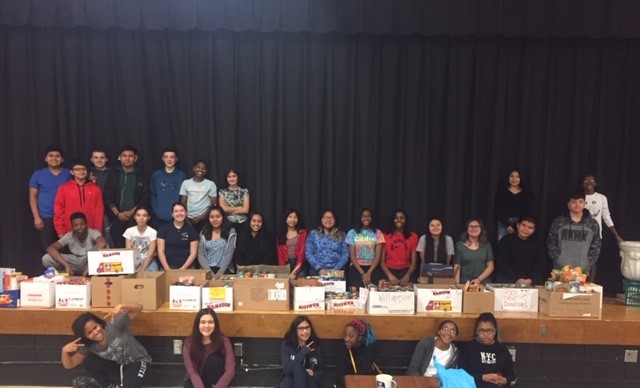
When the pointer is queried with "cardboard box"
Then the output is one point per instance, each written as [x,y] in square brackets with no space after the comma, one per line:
[269,294]
[10,299]
[437,269]
[337,286]
[217,294]
[174,275]
[592,287]
[308,298]
[113,261]
[146,288]
[568,304]
[37,293]
[434,298]
[185,297]
[391,302]
[477,302]
[514,297]
[74,293]
[106,291]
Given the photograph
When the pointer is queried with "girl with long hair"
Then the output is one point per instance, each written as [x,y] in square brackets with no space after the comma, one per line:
[291,244]
[301,356]
[217,243]
[326,248]
[441,347]
[473,261]
[513,201]
[398,261]
[207,353]
[365,249]
[435,246]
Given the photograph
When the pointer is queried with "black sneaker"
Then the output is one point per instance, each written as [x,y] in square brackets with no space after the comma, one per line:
[85,382]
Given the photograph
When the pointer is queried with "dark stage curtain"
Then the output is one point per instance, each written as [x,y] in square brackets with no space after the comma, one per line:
[511,18]
[427,123]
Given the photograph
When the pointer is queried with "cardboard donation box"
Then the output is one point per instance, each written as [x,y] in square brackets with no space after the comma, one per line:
[337,286]
[570,304]
[184,288]
[477,300]
[391,302]
[73,293]
[309,297]
[38,292]
[432,298]
[106,291]
[217,294]
[514,297]
[436,273]
[268,291]
[146,288]
[113,261]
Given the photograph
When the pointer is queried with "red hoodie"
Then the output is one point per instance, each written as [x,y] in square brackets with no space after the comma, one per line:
[73,197]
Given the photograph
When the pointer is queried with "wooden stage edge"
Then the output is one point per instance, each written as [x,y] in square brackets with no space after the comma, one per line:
[619,324]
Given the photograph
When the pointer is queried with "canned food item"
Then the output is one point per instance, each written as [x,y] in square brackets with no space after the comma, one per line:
[271,275]
[248,275]
[240,274]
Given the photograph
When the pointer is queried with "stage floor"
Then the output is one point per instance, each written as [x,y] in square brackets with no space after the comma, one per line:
[619,324]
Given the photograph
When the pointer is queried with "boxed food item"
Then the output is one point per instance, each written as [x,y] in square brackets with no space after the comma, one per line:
[10,299]
[146,288]
[570,304]
[394,301]
[106,291]
[73,293]
[436,273]
[267,288]
[38,292]
[184,288]
[434,298]
[477,300]
[113,261]
[308,298]
[217,294]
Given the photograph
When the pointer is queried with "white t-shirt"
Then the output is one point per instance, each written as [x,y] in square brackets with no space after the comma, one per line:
[443,357]
[142,241]
[198,195]
[598,206]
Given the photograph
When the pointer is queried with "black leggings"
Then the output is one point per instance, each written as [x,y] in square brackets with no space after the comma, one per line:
[108,372]
[213,370]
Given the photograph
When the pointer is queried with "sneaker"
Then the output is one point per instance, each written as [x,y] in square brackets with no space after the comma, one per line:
[85,382]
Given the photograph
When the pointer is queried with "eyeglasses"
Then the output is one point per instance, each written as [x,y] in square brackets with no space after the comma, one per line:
[474,226]
[486,331]
[304,328]
[79,169]
[450,330]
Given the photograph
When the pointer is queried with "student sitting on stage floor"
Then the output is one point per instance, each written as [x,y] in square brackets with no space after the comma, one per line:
[441,346]
[177,241]
[520,256]
[107,349]
[291,244]
[301,356]
[207,353]
[357,356]
[485,358]
[326,248]
[79,242]
[217,243]
[255,245]
[473,261]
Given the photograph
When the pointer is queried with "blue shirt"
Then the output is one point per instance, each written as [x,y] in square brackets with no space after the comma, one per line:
[47,185]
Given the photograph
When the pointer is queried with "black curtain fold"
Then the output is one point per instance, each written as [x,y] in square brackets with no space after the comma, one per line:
[330,120]
[532,18]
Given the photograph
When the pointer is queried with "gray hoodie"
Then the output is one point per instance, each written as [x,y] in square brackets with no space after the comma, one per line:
[574,243]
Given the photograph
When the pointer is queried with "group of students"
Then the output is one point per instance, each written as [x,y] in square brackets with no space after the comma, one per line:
[113,357]
[190,222]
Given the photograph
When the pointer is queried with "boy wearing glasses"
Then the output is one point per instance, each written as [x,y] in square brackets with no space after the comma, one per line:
[79,194]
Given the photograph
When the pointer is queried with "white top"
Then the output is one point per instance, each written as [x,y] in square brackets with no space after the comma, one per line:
[199,195]
[598,206]
[142,241]
[443,357]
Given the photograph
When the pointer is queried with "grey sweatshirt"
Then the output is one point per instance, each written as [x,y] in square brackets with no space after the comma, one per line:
[574,243]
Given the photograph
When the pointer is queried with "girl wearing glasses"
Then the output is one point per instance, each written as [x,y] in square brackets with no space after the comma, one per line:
[485,358]
[473,261]
[441,346]
[301,356]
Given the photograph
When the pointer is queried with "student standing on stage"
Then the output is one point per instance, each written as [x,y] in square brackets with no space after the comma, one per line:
[513,201]
[165,187]
[291,244]
[99,170]
[43,187]
[435,246]
[598,206]
[398,261]
[198,194]
[574,237]
[78,195]
[365,250]
[127,189]
[234,200]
